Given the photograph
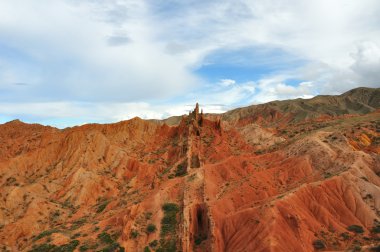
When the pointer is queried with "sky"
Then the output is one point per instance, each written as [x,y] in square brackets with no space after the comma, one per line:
[68,62]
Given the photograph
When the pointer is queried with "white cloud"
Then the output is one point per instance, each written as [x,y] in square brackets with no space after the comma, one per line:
[231,95]
[324,33]
[275,88]
[227,82]
[367,64]
[69,45]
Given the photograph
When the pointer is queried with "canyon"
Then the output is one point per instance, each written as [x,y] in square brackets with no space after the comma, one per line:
[294,175]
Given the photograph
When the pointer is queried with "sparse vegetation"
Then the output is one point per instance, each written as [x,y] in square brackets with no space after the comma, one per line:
[43,248]
[168,242]
[102,206]
[84,248]
[68,204]
[75,236]
[10,181]
[113,247]
[345,236]
[147,249]
[46,247]
[45,233]
[170,218]
[259,152]
[69,247]
[375,229]
[166,170]
[199,239]
[134,234]
[181,169]
[153,244]
[327,175]
[78,223]
[105,237]
[319,244]
[54,215]
[151,228]
[368,196]
[356,229]
[111,244]
[148,215]
[167,246]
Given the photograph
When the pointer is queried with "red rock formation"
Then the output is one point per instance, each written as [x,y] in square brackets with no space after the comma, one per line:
[207,184]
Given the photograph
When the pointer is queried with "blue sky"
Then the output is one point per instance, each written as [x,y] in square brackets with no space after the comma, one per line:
[66,62]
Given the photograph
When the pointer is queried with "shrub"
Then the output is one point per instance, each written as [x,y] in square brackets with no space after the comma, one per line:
[78,223]
[199,239]
[318,244]
[167,246]
[104,237]
[54,215]
[345,236]
[376,229]
[134,234]
[151,228]
[75,236]
[148,215]
[327,175]
[45,233]
[43,248]
[170,207]
[153,244]
[259,152]
[356,229]
[102,206]
[113,247]
[181,169]
[168,222]
[70,247]
[146,249]
[83,248]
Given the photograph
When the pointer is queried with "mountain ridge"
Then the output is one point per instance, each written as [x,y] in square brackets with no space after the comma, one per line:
[370,105]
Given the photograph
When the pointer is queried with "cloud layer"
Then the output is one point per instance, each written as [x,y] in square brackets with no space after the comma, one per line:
[67,62]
